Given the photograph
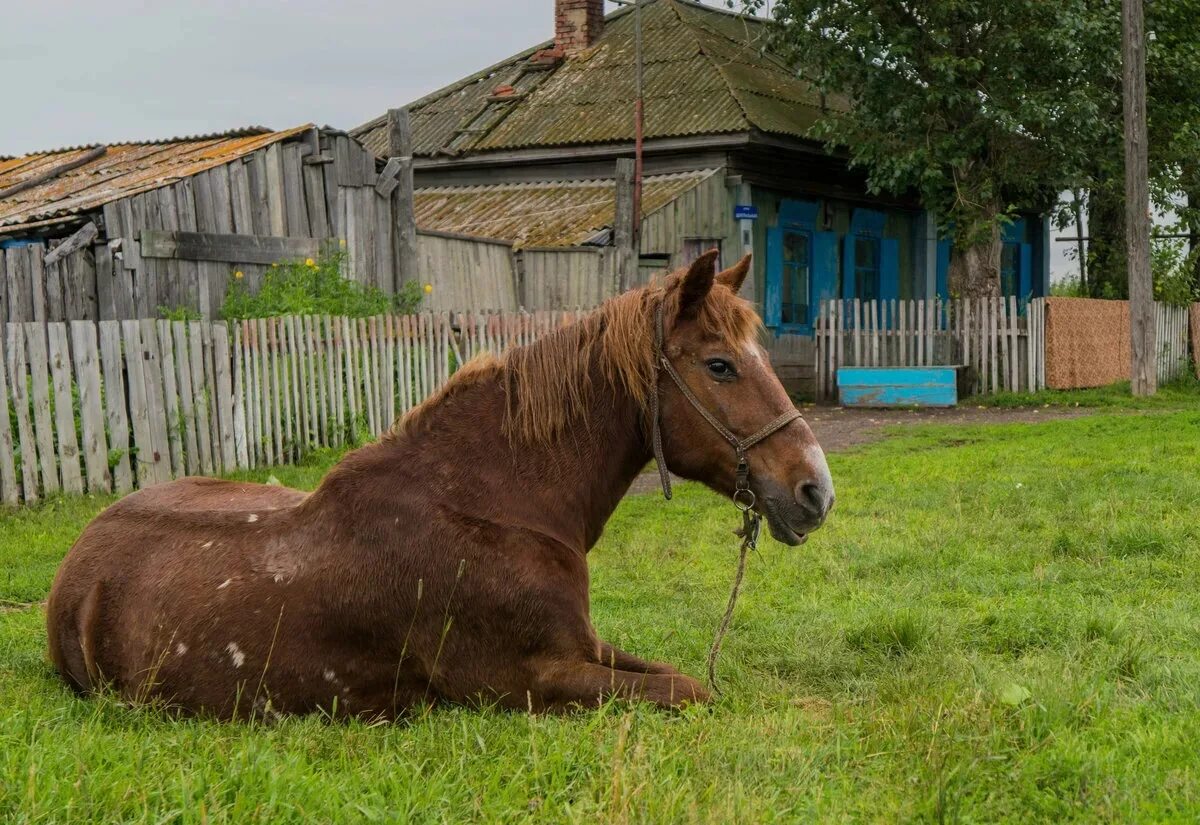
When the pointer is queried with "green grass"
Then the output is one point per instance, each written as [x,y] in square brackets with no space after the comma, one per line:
[998,624]
[1182,393]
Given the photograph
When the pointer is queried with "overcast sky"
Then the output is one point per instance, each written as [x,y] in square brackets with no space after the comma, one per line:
[124,70]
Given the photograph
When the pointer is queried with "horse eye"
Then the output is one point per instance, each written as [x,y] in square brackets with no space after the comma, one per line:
[720,369]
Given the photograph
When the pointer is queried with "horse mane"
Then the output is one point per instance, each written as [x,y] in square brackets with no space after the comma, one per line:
[550,383]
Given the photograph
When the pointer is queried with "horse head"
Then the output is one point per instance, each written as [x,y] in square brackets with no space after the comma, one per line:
[710,342]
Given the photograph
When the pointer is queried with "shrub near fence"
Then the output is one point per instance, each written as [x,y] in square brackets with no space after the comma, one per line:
[115,405]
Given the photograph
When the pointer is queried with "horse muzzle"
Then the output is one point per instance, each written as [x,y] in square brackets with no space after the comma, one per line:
[791,518]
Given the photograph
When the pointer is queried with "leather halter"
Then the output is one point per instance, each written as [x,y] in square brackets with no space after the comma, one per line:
[743,496]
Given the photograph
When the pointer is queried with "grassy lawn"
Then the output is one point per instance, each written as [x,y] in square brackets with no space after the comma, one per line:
[998,624]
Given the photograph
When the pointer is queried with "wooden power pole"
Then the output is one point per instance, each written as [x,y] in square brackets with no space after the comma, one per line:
[1137,200]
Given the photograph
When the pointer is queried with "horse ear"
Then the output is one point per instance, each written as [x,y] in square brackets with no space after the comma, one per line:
[697,282]
[735,276]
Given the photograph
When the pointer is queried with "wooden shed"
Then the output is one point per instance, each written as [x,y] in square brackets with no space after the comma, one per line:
[128,230]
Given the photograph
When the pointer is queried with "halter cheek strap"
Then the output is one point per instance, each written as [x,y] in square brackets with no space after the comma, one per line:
[743,497]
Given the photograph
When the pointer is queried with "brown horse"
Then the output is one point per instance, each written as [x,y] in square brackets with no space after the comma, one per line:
[448,560]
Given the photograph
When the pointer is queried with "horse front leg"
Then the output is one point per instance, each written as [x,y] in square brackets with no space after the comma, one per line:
[562,685]
[613,657]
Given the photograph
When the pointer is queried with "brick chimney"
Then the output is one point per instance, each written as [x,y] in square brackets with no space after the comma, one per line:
[578,24]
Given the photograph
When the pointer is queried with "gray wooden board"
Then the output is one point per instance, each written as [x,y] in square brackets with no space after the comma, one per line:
[152,367]
[224,399]
[240,198]
[114,403]
[200,392]
[166,348]
[195,291]
[293,190]
[187,405]
[256,168]
[207,246]
[314,202]
[240,444]
[273,164]
[139,415]
[19,384]
[59,350]
[210,382]
[43,426]
[10,493]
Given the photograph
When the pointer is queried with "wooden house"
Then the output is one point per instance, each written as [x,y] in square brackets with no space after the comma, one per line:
[524,151]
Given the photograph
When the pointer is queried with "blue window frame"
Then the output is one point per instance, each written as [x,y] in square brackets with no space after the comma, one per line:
[796,286]
[867,260]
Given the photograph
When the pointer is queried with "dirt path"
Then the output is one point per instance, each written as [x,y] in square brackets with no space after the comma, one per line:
[840,428]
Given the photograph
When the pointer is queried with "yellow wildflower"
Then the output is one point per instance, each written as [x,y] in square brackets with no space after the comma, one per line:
[428,288]
[309,262]
[342,243]
[239,275]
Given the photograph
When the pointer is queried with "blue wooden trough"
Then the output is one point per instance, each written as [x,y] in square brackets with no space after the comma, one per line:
[901,386]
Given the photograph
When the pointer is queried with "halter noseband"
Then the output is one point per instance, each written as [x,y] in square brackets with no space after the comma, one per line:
[743,496]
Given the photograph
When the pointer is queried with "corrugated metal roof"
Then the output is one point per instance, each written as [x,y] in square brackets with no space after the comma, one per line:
[124,169]
[706,72]
[550,213]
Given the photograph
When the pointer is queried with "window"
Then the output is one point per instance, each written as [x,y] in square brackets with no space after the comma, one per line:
[797,269]
[866,268]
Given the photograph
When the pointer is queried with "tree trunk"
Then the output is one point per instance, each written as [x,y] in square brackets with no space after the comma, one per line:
[1107,275]
[975,269]
[1193,224]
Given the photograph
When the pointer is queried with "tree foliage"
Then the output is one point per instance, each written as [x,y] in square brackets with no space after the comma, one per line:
[973,104]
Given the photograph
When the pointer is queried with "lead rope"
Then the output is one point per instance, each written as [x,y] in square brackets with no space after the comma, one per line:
[743,496]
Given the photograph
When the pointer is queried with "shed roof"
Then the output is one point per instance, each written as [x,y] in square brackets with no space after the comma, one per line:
[550,213]
[707,72]
[120,170]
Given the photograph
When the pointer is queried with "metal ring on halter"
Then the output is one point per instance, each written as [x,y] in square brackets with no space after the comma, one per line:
[737,499]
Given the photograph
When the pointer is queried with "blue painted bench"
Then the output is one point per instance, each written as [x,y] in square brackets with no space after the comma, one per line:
[901,386]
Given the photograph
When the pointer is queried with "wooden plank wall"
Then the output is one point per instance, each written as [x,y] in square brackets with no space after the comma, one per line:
[31,290]
[702,212]
[466,272]
[567,278]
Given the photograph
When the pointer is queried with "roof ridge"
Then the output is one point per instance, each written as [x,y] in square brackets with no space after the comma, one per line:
[244,131]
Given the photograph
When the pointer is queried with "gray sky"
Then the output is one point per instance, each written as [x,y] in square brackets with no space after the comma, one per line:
[125,70]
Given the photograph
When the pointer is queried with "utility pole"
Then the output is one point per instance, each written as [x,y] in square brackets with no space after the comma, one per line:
[1143,374]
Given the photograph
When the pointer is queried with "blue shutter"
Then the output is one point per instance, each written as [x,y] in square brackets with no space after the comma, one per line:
[824,268]
[889,269]
[773,294]
[848,284]
[1025,275]
[943,268]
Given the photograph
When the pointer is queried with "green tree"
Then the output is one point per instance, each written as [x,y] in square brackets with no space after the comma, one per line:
[975,105]
[1173,114]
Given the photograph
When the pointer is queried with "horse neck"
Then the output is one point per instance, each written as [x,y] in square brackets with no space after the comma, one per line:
[567,488]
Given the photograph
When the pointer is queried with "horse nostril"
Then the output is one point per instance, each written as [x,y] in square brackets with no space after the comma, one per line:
[813,496]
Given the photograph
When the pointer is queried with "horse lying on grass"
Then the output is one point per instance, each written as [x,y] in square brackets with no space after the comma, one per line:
[448,560]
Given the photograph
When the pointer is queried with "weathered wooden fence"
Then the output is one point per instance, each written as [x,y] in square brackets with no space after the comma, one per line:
[998,339]
[113,405]
[1003,342]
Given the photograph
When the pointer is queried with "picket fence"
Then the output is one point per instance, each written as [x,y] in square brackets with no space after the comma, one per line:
[1002,342]
[113,405]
